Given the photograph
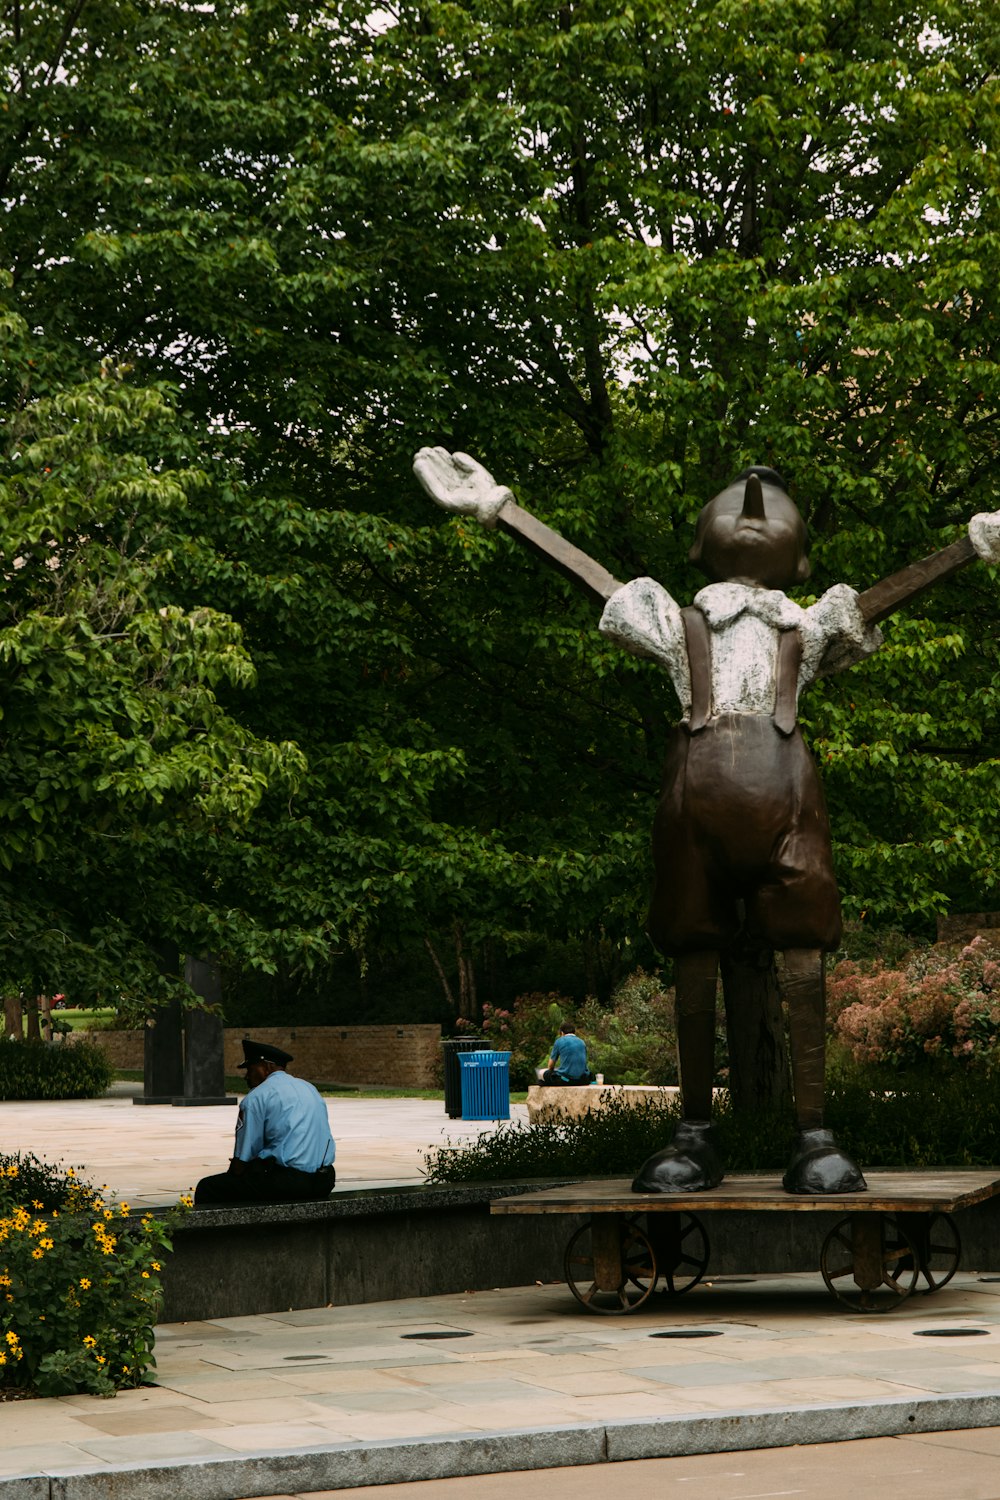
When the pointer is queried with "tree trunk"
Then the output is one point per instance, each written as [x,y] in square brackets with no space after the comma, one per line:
[449,998]
[759,1075]
[34,1030]
[468,1003]
[13,1017]
[45,1017]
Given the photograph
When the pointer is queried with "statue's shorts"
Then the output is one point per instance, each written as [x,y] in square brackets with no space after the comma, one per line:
[741,839]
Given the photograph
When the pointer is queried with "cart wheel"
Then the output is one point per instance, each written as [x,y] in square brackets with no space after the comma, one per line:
[869,1262]
[589,1275]
[680,1244]
[939,1248]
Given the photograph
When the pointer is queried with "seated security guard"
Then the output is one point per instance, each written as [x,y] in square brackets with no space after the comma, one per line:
[284,1149]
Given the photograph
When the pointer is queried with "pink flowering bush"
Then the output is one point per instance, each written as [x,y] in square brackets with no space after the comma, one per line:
[527,1031]
[942,1004]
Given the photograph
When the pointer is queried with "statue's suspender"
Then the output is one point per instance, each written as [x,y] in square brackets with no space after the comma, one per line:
[786,688]
[699,650]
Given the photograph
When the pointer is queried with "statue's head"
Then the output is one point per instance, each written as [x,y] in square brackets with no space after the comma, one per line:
[752,533]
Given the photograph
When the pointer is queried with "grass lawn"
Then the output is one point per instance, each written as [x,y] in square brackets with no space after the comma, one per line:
[85,1020]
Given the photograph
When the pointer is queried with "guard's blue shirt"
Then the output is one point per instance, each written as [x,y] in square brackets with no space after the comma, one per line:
[569,1055]
[285,1118]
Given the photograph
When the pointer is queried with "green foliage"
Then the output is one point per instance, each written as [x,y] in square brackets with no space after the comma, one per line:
[80,1284]
[633,1040]
[57,1070]
[526,1031]
[618,252]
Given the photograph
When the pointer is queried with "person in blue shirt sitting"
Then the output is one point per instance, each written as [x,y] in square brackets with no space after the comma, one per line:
[568,1063]
[284,1150]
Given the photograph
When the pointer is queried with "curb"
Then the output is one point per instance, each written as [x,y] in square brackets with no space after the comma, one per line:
[392,1461]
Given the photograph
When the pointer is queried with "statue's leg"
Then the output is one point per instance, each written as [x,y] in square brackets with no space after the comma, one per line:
[818,1164]
[690,1163]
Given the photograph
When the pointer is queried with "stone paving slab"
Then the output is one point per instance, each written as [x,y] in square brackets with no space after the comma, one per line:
[150,1156]
[263,1406]
[331,1398]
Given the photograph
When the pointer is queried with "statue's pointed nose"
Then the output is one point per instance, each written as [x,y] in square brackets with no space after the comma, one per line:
[753,500]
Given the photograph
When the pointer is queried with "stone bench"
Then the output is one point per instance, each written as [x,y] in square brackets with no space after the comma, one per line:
[565,1102]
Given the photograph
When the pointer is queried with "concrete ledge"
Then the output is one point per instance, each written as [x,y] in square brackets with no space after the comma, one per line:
[366,1245]
[345,1465]
[547,1105]
[369,1244]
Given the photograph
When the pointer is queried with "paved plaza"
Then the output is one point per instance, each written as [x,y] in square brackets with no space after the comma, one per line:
[330,1398]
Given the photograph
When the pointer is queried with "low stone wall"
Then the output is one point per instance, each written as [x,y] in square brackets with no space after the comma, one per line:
[406,1057]
[374,1245]
[369,1245]
[549,1104]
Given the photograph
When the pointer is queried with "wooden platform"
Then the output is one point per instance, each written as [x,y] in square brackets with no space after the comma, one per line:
[888,1192]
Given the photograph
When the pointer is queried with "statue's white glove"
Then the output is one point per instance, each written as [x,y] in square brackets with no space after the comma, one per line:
[984,534]
[460,484]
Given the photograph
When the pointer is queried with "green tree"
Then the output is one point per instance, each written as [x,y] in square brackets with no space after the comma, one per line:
[616,255]
[118,764]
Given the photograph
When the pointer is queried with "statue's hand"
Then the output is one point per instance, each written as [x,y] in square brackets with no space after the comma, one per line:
[984,534]
[460,484]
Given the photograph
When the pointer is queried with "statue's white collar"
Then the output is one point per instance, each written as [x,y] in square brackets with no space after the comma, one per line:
[723,603]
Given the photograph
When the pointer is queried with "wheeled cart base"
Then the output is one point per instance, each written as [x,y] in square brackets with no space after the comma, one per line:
[898,1231]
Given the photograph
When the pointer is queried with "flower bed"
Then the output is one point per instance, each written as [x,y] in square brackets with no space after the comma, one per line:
[80,1288]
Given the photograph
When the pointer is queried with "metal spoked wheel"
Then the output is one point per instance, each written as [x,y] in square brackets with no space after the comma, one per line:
[680,1244]
[939,1247]
[869,1262]
[609,1265]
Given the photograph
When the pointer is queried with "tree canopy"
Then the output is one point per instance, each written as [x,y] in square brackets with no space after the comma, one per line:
[616,254]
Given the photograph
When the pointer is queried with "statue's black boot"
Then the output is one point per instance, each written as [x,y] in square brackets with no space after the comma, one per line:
[690,1164]
[818,1165]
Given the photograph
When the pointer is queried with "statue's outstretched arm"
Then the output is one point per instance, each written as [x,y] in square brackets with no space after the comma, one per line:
[899,588]
[458,483]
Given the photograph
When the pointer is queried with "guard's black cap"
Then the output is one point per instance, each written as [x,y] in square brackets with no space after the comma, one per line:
[262,1052]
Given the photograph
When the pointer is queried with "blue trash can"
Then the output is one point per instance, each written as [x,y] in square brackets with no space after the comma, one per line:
[485,1085]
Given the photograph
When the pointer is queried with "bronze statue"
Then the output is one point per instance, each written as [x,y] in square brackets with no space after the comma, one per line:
[741,838]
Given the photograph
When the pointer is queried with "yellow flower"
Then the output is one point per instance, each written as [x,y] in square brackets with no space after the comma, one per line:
[90,1341]
[46,1244]
[35,1203]
[156,1265]
[145,1275]
[37,1254]
[11,1338]
[108,1214]
[3,1359]
[124,1210]
[85,1283]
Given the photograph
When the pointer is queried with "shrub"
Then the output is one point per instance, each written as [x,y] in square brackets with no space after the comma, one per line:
[633,1041]
[43,1070]
[924,1122]
[526,1031]
[80,1287]
[942,1004]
